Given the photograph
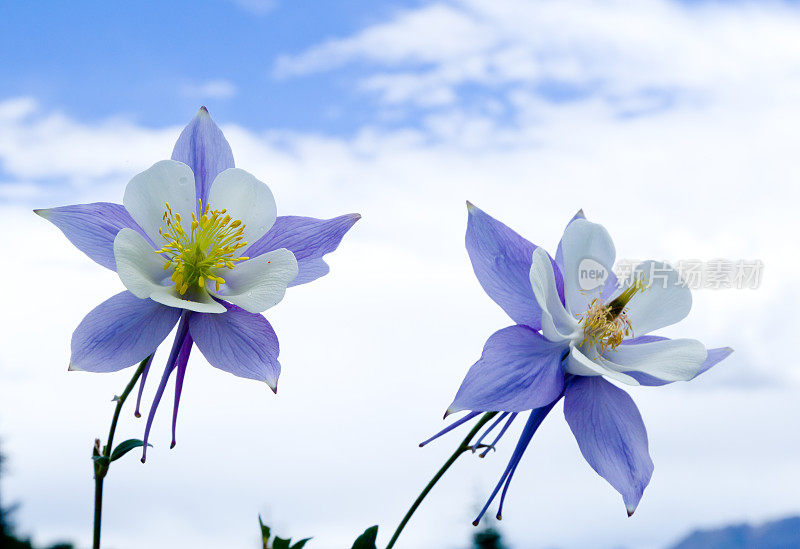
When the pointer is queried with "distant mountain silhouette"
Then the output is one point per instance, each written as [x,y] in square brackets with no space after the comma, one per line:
[779,534]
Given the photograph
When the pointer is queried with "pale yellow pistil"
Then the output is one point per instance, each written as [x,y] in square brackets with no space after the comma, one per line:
[606,325]
[210,245]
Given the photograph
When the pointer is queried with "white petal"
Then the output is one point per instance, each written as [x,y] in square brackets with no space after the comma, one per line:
[148,193]
[584,243]
[142,272]
[557,323]
[257,284]
[139,267]
[579,364]
[246,199]
[201,302]
[669,359]
[667,300]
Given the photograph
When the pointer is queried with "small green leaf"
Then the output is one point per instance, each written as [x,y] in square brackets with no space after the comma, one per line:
[280,543]
[300,544]
[125,447]
[367,539]
[264,532]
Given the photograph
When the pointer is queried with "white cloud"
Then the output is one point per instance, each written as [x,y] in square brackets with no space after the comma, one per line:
[40,145]
[211,89]
[737,51]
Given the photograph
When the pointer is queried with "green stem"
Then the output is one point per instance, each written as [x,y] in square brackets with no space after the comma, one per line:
[102,460]
[463,447]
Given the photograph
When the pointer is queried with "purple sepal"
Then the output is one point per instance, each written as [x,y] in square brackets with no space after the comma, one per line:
[203,147]
[241,343]
[519,370]
[502,260]
[308,239]
[120,332]
[611,435]
[92,228]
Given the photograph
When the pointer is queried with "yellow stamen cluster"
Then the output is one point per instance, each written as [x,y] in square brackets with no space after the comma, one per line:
[606,325]
[210,244]
[602,329]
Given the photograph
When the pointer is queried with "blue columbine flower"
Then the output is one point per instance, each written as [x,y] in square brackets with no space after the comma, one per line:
[197,243]
[576,324]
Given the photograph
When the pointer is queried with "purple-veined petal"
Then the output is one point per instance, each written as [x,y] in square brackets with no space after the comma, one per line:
[259,283]
[671,359]
[246,199]
[501,260]
[664,302]
[241,343]
[611,281]
[308,239]
[611,435]
[120,332]
[92,228]
[559,258]
[139,267]
[714,356]
[518,370]
[203,147]
[148,193]
[557,323]
[586,246]
[181,335]
[579,364]
[180,366]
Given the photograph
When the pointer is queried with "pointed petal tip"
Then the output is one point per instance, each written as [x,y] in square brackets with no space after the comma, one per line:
[203,110]
[471,207]
[580,213]
[41,212]
[630,509]
[73,368]
[630,513]
[273,386]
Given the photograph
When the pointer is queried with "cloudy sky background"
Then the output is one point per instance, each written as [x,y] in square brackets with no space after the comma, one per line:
[674,124]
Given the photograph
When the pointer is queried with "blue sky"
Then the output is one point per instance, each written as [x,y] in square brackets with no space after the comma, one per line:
[140,59]
[154,62]
[674,124]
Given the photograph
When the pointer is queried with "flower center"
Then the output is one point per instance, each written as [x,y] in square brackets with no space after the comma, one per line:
[209,245]
[606,325]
